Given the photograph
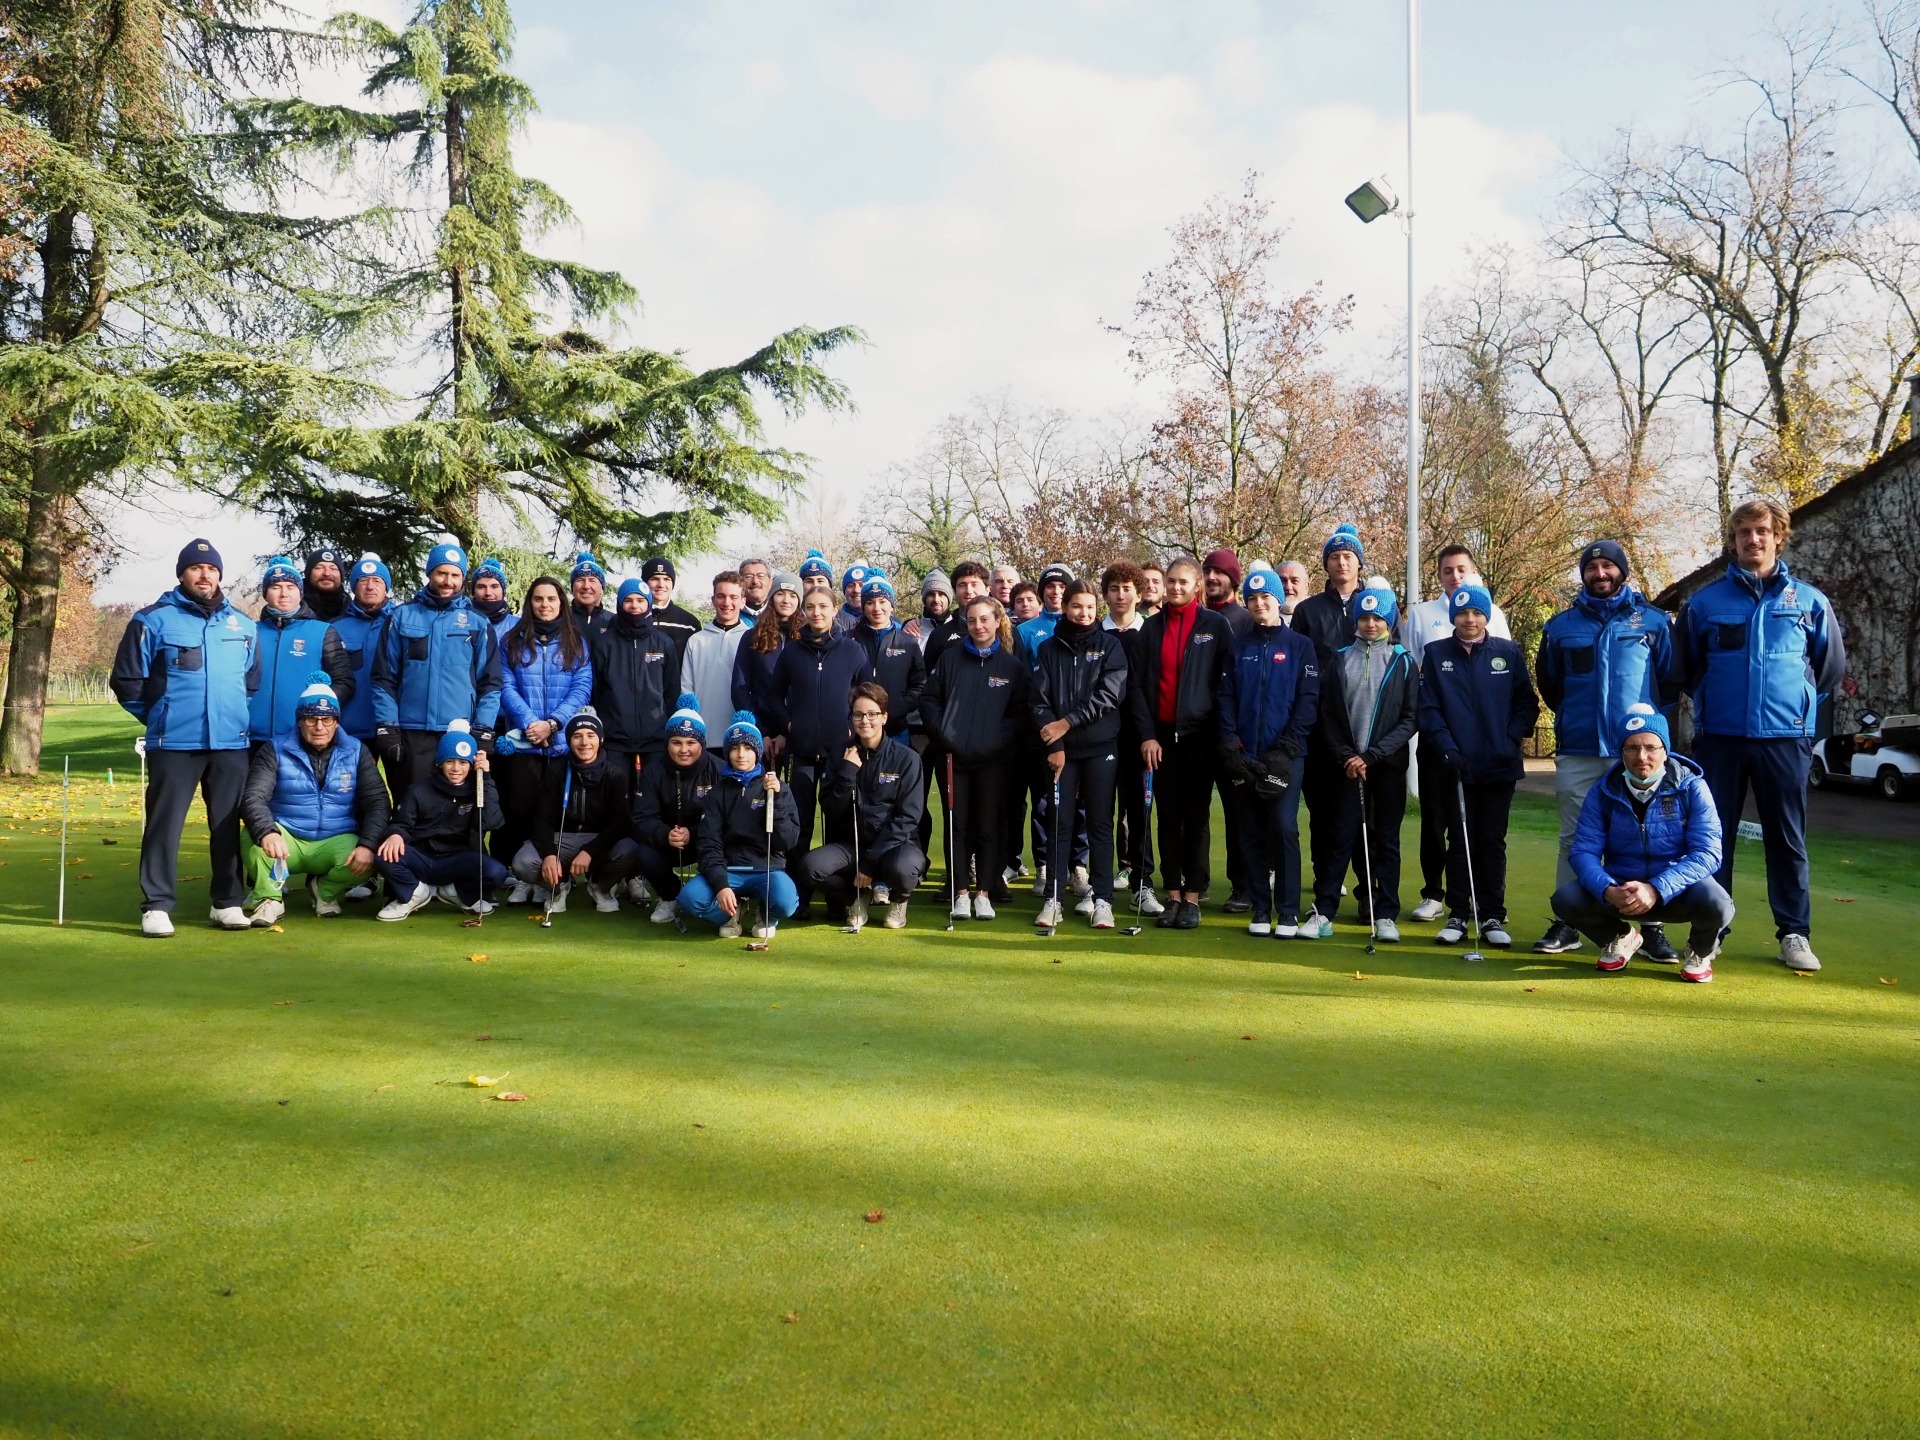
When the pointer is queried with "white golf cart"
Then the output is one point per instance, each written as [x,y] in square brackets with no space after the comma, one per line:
[1884,755]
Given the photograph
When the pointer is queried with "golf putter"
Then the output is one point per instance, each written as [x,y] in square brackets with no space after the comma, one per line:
[473,921]
[1366,851]
[851,928]
[1053,855]
[1466,849]
[66,784]
[1146,842]
[953,872]
[566,798]
[766,904]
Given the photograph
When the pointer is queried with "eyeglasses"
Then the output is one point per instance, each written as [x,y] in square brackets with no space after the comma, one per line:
[868,714]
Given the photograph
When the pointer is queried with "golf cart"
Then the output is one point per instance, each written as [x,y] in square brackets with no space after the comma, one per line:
[1885,755]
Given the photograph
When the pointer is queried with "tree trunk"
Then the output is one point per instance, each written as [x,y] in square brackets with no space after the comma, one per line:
[36,605]
[462,515]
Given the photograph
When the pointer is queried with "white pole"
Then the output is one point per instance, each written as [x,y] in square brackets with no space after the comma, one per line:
[66,789]
[1413,317]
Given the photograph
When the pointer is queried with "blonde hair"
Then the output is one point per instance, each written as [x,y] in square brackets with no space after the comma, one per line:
[1753,509]
[999,615]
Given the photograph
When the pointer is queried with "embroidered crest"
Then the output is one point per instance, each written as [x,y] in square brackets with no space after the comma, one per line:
[1279,657]
[460,619]
[1446,665]
[1499,665]
[655,659]
[886,779]
[299,645]
[1203,639]
[994,682]
[700,792]
[233,622]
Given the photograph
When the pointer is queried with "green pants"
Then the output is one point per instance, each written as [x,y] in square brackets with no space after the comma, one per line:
[325,858]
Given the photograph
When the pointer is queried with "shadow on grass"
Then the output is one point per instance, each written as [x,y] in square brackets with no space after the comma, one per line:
[44,1405]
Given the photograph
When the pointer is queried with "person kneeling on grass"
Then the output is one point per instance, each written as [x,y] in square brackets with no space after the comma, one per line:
[668,801]
[314,805]
[874,793]
[735,862]
[436,834]
[1645,850]
[582,823]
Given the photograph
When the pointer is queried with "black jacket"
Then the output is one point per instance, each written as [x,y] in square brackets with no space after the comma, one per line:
[1130,645]
[979,707]
[1239,619]
[1209,651]
[437,817]
[636,683]
[1330,621]
[892,798]
[1084,684]
[667,796]
[752,676]
[946,634]
[677,624]
[1396,713]
[894,662]
[370,803]
[601,805]
[589,622]
[733,829]
[808,693]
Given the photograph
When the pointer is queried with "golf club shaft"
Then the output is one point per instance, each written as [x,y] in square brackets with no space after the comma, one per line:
[1466,852]
[66,782]
[480,825]
[953,873]
[1366,856]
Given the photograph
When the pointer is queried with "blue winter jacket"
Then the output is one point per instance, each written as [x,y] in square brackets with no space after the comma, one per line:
[541,688]
[1477,707]
[1760,655]
[292,647]
[189,672]
[1270,694]
[1031,633]
[437,662]
[301,807]
[1596,658]
[359,634]
[1677,843]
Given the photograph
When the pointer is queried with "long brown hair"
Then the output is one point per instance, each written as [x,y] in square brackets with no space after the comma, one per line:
[518,647]
[770,632]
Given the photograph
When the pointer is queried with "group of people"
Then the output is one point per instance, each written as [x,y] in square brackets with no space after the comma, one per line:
[450,746]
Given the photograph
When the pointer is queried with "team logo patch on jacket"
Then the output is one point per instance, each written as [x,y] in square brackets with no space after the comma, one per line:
[1499,665]
[299,646]
[886,779]
[1279,657]
[994,682]
[655,658]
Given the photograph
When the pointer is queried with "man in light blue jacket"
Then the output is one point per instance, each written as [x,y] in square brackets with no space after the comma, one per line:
[1645,850]
[1761,650]
[187,667]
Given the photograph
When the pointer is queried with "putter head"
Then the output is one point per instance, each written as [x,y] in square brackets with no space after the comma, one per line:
[546,921]
[758,946]
[472,922]
[1131,930]
[1473,955]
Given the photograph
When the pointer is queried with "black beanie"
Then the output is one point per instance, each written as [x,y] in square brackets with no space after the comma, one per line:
[198,552]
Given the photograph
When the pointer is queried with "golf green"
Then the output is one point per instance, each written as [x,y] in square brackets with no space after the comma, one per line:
[920,1183]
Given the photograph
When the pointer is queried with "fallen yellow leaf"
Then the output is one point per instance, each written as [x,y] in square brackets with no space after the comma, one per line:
[276,929]
[479,959]
[481,1082]
[510,1095]
[1889,980]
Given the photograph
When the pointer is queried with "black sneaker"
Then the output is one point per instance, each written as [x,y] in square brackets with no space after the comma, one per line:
[1237,903]
[1189,916]
[1655,946]
[1170,916]
[1559,939]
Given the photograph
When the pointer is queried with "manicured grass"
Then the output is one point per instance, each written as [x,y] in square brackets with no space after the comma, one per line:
[1156,1186]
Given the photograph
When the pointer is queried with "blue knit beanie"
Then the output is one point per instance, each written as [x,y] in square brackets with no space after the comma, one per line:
[1377,598]
[370,566]
[1344,537]
[1642,718]
[1605,550]
[856,576]
[447,554]
[318,698]
[815,564]
[686,719]
[279,567]
[585,564]
[1472,595]
[197,552]
[1262,579]
[456,744]
[491,566]
[875,584]
[744,729]
[631,586]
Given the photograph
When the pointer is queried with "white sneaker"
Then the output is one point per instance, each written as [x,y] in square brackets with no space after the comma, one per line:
[557,901]
[605,901]
[1796,953]
[730,927]
[857,912]
[1316,927]
[1428,910]
[1259,927]
[1040,881]
[157,923]
[1084,905]
[767,926]
[229,917]
[962,906]
[447,895]
[1615,954]
[1080,883]
[982,907]
[1010,873]
[401,909]
[1699,968]
[479,907]
[1451,933]
[325,909]
[267,912]
[1286,929]
[1049,916]
[896,915]
[1150,903]
[1494,932]
[520,894]
[639,890]
[359,892]
[1386,932]
[1103,915]
[663,913]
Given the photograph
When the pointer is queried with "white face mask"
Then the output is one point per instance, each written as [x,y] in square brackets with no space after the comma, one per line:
[1636,783]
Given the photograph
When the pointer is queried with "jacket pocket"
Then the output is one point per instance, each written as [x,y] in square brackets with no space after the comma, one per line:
[1730,635]
[354,657]
[188,657]
[1580,659]
[418,646]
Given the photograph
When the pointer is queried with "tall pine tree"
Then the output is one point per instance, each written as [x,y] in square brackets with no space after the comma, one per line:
[527,425]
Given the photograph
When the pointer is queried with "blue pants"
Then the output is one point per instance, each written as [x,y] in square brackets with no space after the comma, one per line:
[697,897]
[1268,841]
[1704,905]
[462,871]
[1777,772]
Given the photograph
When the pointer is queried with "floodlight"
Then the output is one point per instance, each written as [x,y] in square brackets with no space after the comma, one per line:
[1372,200]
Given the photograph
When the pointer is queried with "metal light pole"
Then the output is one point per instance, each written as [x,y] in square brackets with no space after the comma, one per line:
[1413,315]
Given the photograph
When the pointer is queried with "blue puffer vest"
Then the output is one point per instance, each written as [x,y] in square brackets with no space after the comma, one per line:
[301,806]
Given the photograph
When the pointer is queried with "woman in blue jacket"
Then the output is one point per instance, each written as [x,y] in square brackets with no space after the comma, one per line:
[1645,850]
[545,677]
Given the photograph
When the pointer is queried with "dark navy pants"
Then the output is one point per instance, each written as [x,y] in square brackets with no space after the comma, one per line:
[1776,771]
[1268,841]
[1703,907]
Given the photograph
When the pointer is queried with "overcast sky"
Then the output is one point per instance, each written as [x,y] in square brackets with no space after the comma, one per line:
[978,186]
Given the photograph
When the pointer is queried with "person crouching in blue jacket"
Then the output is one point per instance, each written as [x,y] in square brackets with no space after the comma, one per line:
[1476,706]
[1269,696]
[1645,850]
[1370,702]
[740,857]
